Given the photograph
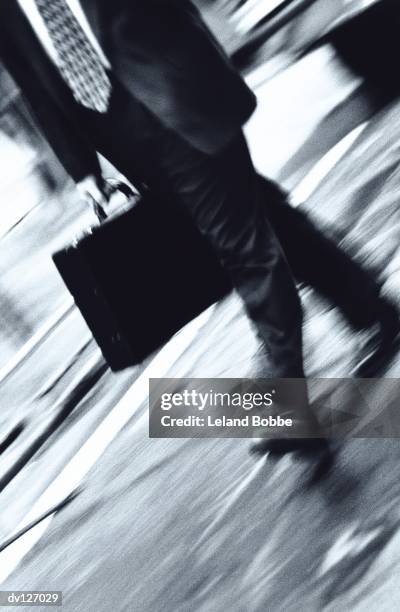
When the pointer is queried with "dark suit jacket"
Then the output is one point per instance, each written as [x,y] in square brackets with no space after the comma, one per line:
[160,50]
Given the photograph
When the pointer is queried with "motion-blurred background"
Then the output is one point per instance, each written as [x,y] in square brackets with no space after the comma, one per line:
[327,126]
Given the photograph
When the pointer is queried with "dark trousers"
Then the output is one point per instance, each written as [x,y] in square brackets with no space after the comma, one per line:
[259,238]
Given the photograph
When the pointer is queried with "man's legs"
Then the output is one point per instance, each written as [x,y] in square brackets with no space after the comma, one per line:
[317,261]
[223,196]
[235,209]
[229,204]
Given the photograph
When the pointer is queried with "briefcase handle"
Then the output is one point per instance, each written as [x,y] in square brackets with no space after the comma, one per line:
[113,186]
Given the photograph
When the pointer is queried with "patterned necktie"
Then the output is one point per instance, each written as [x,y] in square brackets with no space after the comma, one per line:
[79,63]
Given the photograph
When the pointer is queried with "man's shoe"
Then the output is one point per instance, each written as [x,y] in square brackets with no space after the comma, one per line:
[382,345]
[277,447]
[317,450]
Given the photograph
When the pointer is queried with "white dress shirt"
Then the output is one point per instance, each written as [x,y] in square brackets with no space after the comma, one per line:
[32,13]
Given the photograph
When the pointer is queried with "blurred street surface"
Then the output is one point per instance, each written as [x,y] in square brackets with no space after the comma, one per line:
[201,525]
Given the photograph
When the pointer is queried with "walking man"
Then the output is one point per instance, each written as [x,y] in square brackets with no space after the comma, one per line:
[145,84]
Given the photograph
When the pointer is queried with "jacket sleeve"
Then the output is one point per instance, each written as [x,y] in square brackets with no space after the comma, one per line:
[74,152]
[27,64]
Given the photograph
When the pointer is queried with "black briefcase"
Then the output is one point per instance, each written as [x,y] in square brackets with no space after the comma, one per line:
[139,276]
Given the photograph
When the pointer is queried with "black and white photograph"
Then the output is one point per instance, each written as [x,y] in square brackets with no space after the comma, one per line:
[200,305]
